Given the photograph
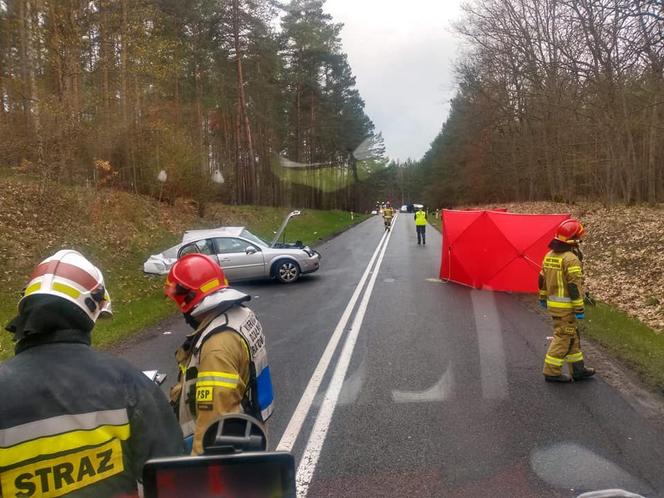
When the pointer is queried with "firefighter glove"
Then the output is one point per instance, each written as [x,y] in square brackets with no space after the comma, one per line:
[579,316]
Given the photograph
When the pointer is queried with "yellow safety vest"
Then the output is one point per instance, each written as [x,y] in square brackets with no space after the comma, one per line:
[420,218]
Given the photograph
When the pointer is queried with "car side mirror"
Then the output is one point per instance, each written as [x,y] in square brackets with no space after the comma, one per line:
[251,250]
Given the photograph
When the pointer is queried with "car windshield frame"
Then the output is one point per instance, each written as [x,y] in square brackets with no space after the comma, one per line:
[172,252]
[246,234]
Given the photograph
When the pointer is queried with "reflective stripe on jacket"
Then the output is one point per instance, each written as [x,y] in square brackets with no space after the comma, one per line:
[227,372]
[561,283]
[77,422]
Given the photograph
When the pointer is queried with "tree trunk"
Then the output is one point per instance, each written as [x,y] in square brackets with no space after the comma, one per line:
[24,62]
[129,160]
[4,71]
[239,170]
[651,161]
[105,52]
[124,56]
[244,116]
[28,33]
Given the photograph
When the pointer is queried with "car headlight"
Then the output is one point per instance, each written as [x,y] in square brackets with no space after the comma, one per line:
[309,252]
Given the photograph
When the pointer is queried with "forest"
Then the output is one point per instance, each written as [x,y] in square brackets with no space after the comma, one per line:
[255,102]
[241,101]
[557,100]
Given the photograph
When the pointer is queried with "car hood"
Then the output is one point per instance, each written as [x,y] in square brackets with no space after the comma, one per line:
[287,252]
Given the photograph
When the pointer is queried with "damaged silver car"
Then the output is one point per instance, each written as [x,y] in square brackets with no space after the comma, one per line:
[242,255]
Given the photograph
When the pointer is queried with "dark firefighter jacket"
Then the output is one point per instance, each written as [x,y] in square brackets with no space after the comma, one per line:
[74,421]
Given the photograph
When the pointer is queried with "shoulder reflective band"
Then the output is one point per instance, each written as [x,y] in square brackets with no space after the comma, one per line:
[62,475]
[217,379]
[575,270]
[59,434]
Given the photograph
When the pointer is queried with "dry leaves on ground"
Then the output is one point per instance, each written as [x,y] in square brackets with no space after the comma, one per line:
[624,254]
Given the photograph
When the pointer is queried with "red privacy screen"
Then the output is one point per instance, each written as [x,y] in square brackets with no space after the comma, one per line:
[496,250]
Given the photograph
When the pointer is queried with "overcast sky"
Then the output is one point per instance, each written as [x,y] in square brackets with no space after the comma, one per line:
[402,53]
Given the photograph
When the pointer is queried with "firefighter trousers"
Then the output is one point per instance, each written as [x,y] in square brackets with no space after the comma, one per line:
[565,346]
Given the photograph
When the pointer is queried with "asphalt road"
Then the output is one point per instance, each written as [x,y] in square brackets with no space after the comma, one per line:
[434,389]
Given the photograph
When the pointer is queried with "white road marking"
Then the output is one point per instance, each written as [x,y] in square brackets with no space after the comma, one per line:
[490,341]
[307,467]
[441,390]
[304,406]
[353,385]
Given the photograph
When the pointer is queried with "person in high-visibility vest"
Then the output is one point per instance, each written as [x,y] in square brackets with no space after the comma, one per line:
[561,293]
[421,225]
[223,363]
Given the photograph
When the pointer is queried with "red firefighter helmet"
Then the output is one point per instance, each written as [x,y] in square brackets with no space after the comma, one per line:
[191,279]
[570,231]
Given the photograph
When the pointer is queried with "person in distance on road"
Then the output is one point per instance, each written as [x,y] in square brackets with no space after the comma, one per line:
[421,225]
[223,363]
[561,293]
[388,214]
[74,421]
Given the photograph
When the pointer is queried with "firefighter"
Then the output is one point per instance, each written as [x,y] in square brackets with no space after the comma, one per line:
[388,214]
[73,420]
[561,293]
[421,225]
[223,363]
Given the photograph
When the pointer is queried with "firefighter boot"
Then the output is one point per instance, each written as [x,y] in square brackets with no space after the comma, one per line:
[558,378]
[580,371]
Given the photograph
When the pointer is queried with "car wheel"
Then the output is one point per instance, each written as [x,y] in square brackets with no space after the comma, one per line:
[287,271]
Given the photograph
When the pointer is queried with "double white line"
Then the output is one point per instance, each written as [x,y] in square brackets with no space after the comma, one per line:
[312,451]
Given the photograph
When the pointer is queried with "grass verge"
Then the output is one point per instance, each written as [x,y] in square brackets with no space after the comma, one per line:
[141,302]
[118,231]
[628,340]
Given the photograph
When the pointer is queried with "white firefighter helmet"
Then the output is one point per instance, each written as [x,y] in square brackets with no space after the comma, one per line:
[69,275]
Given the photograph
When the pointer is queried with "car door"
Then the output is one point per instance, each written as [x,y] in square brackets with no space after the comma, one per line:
[204,246]
[240,259]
